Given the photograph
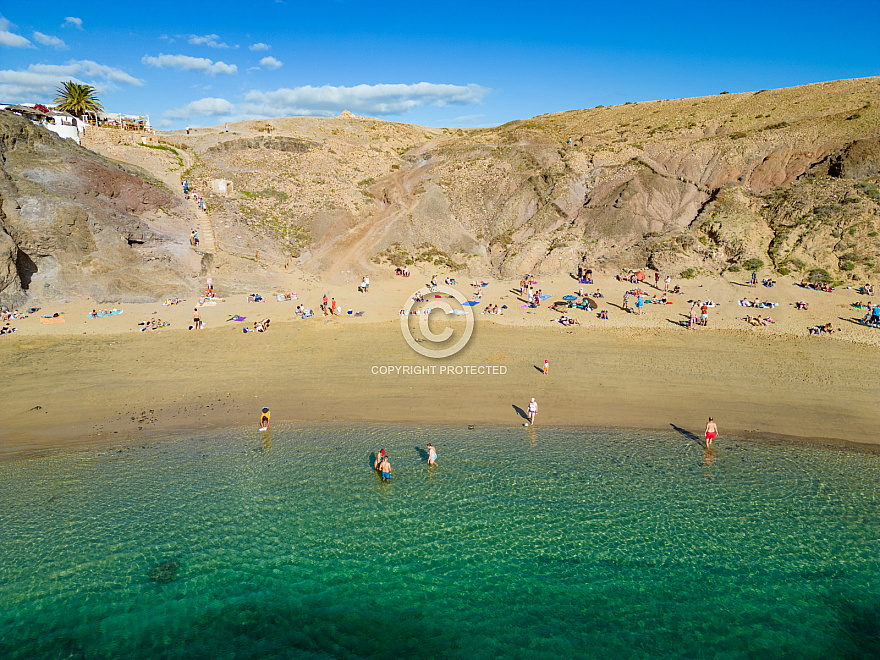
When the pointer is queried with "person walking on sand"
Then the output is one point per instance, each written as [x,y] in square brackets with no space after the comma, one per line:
[385,468]
[533,410]
[333,310]
[666,283]
[546,367]
[711,431]
[432,454]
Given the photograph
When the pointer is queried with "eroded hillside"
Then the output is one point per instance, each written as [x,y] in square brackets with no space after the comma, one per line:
[785,176]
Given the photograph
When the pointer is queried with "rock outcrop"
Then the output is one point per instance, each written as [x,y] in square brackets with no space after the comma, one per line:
[73,223]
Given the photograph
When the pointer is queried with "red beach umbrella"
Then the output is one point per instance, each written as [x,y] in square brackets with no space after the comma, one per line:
[640,276]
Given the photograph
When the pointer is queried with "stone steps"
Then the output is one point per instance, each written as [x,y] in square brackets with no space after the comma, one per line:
[207,241]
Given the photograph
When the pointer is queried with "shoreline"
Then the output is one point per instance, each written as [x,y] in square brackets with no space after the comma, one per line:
[65,391]
[164,435]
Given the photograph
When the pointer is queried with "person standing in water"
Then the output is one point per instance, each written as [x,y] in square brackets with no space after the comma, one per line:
[432,454]
[379,458]
[533,410]
[711,432]
[385,469]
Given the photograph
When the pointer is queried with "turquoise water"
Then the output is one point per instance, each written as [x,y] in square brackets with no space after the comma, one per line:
[520,543]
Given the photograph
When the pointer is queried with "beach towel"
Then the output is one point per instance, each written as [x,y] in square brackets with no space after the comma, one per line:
[358,313]
[458,312]
[529,306]
[238,318]
[53,319]
[281,297]
[471,303]
[102,314]
[546,296]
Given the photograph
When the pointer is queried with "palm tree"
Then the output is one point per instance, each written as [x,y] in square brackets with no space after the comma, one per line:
[77,99]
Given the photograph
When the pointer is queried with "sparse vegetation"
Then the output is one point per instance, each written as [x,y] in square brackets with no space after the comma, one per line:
[267,193]
[688,274]
[753,264]
[162,147]
[819,276]
[869,190]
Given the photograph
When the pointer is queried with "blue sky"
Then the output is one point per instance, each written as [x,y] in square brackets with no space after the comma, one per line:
[434,63]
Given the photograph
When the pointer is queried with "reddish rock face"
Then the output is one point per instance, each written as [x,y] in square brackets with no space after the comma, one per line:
[69,218]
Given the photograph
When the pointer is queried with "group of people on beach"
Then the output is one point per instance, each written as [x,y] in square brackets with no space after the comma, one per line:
[259,326]
[329,308]
[96,314]
[817,286]
[872,318]
[153,324]
[699,314]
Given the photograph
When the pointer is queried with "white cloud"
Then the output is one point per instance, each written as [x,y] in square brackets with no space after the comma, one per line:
[259,46]
[383,99]
[211,40]
[9,38]
[207,107]
[49,40]
[74,21]
[187,63]
[271,63]
[39,81]
[466,119]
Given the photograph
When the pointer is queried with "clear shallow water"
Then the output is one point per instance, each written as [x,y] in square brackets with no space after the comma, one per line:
[523,543]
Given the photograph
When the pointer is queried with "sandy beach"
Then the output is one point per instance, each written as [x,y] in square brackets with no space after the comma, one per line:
[102,381]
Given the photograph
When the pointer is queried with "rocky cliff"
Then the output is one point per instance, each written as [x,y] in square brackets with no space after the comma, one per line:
[74,223]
